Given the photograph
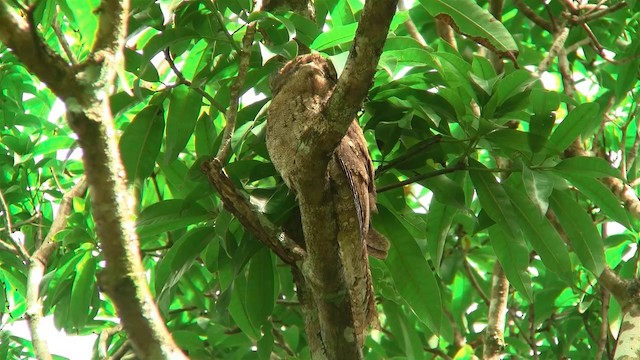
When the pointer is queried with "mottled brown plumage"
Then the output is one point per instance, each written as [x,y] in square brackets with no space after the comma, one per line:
[300,92]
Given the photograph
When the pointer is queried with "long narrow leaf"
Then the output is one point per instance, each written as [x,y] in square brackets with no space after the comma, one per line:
[582,233]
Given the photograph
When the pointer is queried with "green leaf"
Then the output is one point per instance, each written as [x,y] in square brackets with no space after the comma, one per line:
[540,233]
[476,23]
[163,40]
[238,310]
[601,195]
[51,145]
[184,108]
[586,166]
[506,236]
[261,297]
[205,135]
[580,121]
[544,103]
[538,186]
[510,254]
[411,273]
[439,220]
[336,36]
[404,331]
[84,284]
[141,142]
[180,258]
[513,84]
[169,215]
[494,201]
[581,231]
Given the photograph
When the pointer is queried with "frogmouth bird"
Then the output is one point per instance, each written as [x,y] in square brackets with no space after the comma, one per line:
[300,92]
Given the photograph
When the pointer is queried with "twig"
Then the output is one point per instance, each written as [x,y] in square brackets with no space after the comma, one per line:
[101,351]
[411,26]
[122,351]
[604,325]
[590,16]
[232,111]
[37,266]
[226,33]
[533,16]
[532,331]
[21,251]
[474,283]
[185,81]
[409,154]
[558,43]
[578,44]
[421,177]
[30,220]
[63,41]
[567,76]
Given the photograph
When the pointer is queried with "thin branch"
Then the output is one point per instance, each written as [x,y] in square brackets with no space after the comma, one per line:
[101,351]
[421,177]
[183,80]
[22,252]
[577,45]
[558,44]
[411,26]
[590,16]
[357,77]
[474,283]
[234,102]
[63,41]
[38,265]
[240,207]
[229,37]
[408,155]
[604,323]
[532,331]
[533,16]
[28,221]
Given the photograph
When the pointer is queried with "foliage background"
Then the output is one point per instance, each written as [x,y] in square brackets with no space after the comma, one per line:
[438,116]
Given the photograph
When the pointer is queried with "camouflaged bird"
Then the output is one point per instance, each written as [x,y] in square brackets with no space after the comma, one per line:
[300,93]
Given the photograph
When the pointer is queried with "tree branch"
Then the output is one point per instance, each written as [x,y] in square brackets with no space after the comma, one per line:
[38,265]
[20,250]
[232,111]
[494,333]
[240,207]
[357,77]
[83,89]
[528,12]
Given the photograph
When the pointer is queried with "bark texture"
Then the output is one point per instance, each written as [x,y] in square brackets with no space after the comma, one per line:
[84,90]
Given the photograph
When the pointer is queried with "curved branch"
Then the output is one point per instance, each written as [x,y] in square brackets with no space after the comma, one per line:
[38,265]
[89,115]
[240,207]
[357,77]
